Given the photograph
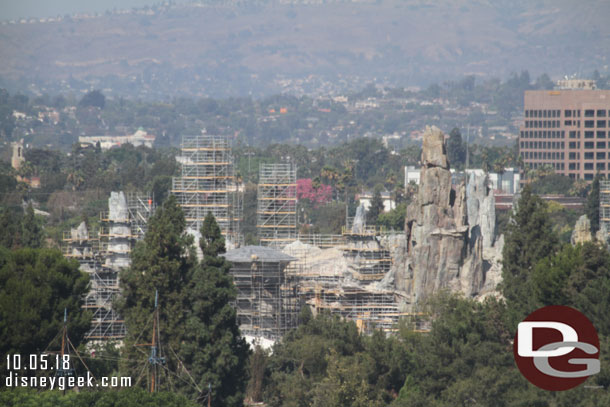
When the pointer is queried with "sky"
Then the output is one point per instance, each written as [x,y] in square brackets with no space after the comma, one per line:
[13,9]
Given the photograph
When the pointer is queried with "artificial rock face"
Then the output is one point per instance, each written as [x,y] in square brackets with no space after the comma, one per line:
[446,229]
[582,231]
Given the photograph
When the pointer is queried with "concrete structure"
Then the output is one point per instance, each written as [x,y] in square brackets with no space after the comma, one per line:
[567,130]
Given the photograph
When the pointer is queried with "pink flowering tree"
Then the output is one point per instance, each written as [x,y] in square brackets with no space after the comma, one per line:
[316,196]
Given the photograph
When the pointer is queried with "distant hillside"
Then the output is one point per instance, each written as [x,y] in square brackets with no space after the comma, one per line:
[232,49]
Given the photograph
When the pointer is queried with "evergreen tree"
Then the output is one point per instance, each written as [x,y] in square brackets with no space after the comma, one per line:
[529,238]
[36,285]
[197,322]
[456,149]
[376,208]
[32,232]
[592,205]
[213,349]
[161,262]
[93,98]
[10,224]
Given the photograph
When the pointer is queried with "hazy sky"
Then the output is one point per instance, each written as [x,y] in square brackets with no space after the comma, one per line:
[11,9]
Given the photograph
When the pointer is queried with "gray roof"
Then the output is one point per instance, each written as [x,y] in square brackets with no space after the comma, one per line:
[244,255]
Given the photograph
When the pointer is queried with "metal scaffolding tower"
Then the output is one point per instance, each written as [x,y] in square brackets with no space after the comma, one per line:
[208,185]
[266,303]
[277,204]
[102,256]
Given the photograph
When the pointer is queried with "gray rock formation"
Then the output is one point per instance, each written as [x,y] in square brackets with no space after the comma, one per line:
[80,246]
[481,208]
[447,230]
[119,231]
[582,231]
[80,233]
[359,220]
[602,234]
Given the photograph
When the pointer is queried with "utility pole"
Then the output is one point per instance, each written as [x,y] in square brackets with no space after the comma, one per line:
[65,350]
[154,358]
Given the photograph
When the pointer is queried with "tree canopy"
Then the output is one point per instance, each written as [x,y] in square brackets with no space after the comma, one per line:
[36,285]
[198,327]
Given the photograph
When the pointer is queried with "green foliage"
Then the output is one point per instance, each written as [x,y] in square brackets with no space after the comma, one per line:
[376,208]
[198,324]
[578,277]
[552,184]
[394,219]
[11,226]
[529,238]
[212,346]
[325,219]
[31,235]
[94,98]
[592,205]
[456,149]
[161,262]
[130,397]
[36,285]
[259,359]
[102,359]
[466,356]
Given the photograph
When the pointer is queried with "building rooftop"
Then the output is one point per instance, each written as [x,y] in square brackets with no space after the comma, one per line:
[246,254]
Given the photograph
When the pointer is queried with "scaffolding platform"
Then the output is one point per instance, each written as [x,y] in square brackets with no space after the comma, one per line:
[104,254]
[266,304]
[208,184]
[277,204]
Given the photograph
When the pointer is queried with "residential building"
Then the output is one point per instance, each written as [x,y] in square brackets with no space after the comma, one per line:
[139,138]
[366,198]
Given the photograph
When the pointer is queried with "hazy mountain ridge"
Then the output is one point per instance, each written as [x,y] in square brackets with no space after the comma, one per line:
[233,49]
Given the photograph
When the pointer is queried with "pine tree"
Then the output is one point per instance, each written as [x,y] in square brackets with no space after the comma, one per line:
[456,150]
[213,348]
[31,231]
[161,262]
[529,238]
[376,208]
[592,205]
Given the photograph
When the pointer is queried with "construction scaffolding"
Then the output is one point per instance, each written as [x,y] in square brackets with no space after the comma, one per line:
[277,204]
[324,279]
[104,254]
[266,303]
[604,207]
[208,185]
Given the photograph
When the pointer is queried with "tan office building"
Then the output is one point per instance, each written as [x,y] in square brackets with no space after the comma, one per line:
[567,130]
